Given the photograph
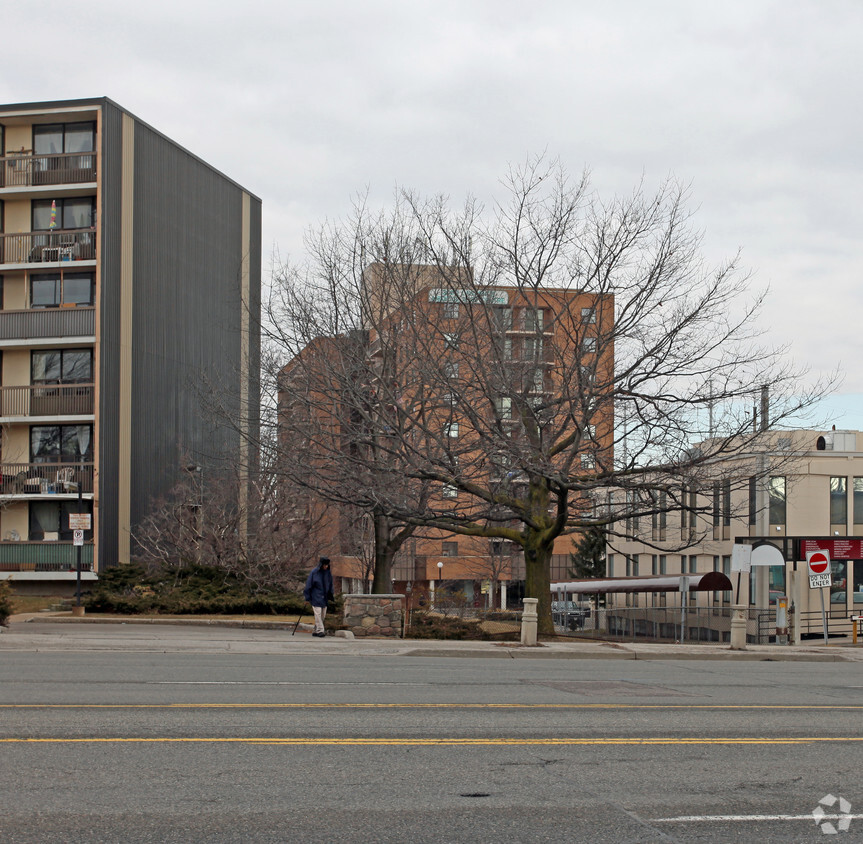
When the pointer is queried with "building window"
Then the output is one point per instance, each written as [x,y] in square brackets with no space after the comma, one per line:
[502,319]
[51,290]
[503,407]
[693,563]
[858,504]
[450,310]
[61,366]
[449,491]
[49,520]
[532,319]
[610,562]
[449,549]
[55,138]
[588,461]
[533,348]
[74,213]
[588,316]
[588,345]
[451,429]
[663,564]
[716,506]
[776,492]
[61,443]
[838,502]
[450,369]
[632,566]
[654,564]
[753,502]
[726,503]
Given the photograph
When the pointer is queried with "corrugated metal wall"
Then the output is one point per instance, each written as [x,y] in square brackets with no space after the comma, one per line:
[109,318]
[186,315]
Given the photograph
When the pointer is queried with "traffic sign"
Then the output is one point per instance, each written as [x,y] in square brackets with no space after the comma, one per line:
[77,537]
[819,569]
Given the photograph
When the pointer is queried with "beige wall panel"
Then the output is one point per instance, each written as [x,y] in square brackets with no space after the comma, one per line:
[18,138]
[15,517]
[16,448]
[16,367]
[17,216]
[14,291]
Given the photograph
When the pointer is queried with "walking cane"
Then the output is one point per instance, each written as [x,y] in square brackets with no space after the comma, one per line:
[298,619]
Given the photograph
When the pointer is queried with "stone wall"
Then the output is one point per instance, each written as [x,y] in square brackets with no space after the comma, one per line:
[374,615]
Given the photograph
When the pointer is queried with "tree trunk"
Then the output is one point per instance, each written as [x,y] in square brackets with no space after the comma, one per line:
[537,583]
[384,553]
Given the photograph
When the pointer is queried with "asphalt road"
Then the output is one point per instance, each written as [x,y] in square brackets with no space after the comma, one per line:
[102,744]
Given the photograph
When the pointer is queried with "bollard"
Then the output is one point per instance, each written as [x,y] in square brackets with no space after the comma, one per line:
[529,620]
[738,629]
[78,611]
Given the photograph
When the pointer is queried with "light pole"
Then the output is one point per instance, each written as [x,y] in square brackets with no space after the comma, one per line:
[195,469]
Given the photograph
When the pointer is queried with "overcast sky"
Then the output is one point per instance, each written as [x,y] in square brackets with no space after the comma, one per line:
[754,103]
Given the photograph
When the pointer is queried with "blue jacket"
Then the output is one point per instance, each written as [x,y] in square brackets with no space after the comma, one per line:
[319,587]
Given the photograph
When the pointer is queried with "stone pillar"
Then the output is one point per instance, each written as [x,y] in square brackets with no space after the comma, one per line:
[503,595]
[374,615]
[738,628]
[529,620]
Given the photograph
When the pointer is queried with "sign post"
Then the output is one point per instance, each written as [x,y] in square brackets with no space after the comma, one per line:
[818,563]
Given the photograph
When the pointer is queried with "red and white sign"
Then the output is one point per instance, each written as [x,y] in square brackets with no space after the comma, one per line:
[819,569]
[818,562]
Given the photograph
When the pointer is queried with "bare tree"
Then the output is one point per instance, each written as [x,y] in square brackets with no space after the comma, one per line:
[526,373]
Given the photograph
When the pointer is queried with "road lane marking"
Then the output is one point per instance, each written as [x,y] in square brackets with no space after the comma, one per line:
[746,818]
[316,705]
[438,742]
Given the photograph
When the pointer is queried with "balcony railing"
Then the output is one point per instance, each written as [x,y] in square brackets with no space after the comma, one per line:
[69,168]
[47,400]
[48,322]
[45,478]
[44,556]
[45,247]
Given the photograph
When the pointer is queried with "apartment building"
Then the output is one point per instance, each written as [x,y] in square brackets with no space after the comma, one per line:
[805,491]
[130,273]
[458,365]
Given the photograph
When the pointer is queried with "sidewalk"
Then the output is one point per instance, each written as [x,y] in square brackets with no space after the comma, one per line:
[62,631]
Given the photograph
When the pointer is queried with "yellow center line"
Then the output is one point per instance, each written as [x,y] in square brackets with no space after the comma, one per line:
[445,742]
[660,706]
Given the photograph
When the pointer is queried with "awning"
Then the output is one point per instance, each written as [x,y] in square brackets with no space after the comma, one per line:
[713,581]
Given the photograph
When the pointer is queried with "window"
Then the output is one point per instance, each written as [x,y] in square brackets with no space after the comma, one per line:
[451,429]
[61,443]
[533,348]
[61,366]
[632,566]
[75,213]
[776,493]
[503,407]
[54,138]
[663,564]
[50,520]
[588,376]
[449,549]
[753,502]
[51,290]
[449,491]
[654,564]
[588,316]
[858,503]
[451,340]
[532,319]
[726,503]
[693,563]
[588,461]
[838,502]
[610,562]
[450,310]
[450,369]
[502,319]
[588,345]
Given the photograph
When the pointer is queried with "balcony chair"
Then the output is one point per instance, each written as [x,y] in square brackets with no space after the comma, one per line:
[63,482]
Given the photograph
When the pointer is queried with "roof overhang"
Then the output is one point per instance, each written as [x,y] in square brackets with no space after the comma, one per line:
[713,581]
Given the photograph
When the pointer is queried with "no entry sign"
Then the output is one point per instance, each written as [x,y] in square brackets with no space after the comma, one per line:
[819,569]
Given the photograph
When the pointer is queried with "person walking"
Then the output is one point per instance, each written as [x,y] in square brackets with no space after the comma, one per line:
[319,590]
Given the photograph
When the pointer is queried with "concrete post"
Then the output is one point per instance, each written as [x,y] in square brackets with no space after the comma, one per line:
[529,619]
[738,628]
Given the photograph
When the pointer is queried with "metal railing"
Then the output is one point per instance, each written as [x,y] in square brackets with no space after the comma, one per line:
[47,400]
[65,168]
[44,556]
[48,322]
[48,247]
[668,624]
[45,478]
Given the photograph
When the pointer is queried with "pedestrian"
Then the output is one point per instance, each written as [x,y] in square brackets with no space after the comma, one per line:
[319,590]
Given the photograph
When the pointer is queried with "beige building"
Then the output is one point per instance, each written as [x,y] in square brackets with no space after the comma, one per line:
[804,492]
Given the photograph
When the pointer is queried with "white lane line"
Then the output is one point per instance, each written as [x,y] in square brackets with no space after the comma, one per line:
[746,818]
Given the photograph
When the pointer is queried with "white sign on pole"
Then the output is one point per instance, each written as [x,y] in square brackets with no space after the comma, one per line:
[79,521]
[77,537]
[818,563]
[741,558]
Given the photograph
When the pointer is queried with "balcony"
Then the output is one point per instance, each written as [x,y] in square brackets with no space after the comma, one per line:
[50,400]
[59,246]
[58,169]
[44,556]
[48,324]
[30,480]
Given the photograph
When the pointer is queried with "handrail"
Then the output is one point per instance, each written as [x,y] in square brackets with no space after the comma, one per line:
[47,400]
[43,479]
[56,246]
[64,168]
